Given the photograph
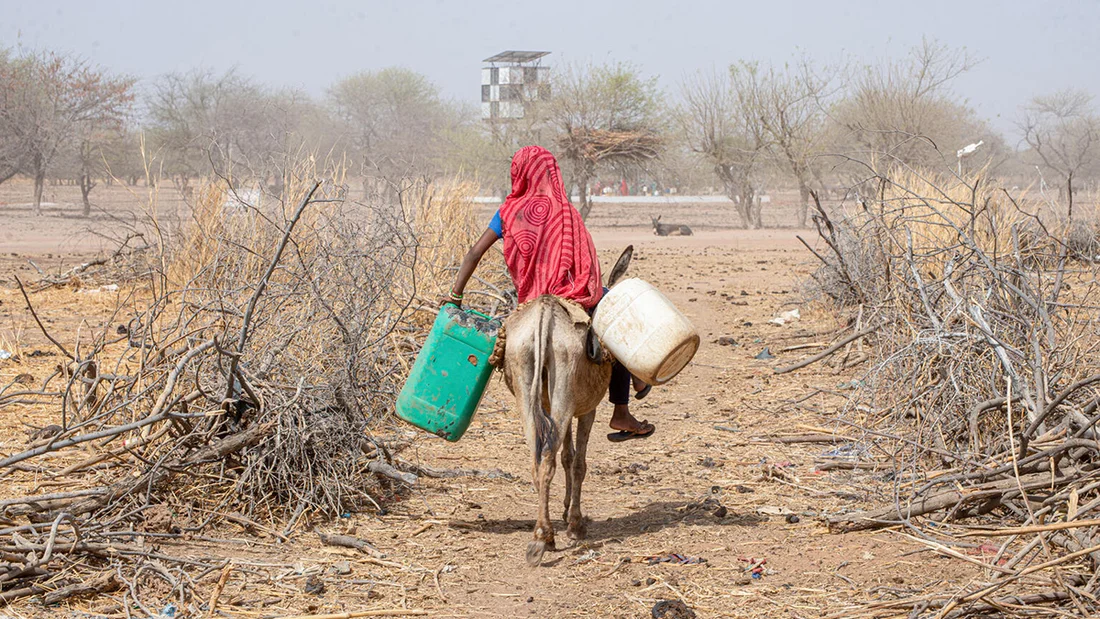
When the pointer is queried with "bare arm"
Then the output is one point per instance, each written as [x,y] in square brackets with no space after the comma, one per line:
[469,264]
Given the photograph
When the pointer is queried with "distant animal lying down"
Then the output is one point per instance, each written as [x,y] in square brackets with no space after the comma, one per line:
[661,229]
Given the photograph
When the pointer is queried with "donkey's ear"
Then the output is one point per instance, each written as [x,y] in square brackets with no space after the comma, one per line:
[620,267]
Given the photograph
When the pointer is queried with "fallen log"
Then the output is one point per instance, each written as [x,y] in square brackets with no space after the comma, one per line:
[435,473]
[104,583]
[805,438]
[214,451]
[828,351]
[1040,528]
[385,470]
[347,541]
[954,498]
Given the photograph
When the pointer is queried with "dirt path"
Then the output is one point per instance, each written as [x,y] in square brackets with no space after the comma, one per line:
[690,489]
[697,487]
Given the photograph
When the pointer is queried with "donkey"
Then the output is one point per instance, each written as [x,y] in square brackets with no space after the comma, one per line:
[549,370]
[661,229]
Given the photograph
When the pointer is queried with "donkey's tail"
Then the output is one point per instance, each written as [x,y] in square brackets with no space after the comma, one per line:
[545,431]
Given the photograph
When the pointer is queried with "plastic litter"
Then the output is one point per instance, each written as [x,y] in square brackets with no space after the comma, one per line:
[765,354]
[675,559]
[785,317]
[5,355]
[756,566]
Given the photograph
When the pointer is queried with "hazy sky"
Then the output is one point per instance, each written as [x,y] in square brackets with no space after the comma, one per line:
[1028,46]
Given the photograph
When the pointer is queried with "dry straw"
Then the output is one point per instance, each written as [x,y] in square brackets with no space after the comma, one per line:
[983,387]
[249,372]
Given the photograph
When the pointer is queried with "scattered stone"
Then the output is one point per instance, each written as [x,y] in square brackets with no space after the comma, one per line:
[672,609]
[314,586]
[726,340]
[792,518]
[342,568]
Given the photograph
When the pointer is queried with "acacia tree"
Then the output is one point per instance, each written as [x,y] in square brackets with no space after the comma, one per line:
[1063,131]
[904,112]
[604,115]
[392,121]
[201,122]
[124,155]
[716,121]
[48,99]
[12,149]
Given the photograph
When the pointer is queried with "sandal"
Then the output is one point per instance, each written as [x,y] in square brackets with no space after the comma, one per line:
[643,393]
[645,430]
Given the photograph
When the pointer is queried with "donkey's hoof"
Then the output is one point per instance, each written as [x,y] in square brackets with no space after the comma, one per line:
[577,532]
[535,550]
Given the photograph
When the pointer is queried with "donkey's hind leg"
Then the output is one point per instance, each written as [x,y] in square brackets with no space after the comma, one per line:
[577,529]
[544,529]
[567,468]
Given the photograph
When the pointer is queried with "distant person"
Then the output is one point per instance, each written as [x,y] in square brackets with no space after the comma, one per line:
[556,256]
[623,189]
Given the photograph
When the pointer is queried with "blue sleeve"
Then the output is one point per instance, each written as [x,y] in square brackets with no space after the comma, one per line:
[496,226]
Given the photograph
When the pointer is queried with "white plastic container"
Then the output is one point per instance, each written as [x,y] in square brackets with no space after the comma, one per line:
[645,331]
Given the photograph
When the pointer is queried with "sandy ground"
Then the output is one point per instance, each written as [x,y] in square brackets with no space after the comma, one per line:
[455,547]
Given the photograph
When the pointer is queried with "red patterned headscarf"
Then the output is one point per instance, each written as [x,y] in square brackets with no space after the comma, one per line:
[546,246]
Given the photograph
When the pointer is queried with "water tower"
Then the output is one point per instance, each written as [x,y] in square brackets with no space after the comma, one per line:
[510,82]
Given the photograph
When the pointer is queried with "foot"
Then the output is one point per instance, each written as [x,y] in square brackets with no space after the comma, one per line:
[622,420]
[628,427]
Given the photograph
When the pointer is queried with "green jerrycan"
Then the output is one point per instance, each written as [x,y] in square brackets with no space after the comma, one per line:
[449,375]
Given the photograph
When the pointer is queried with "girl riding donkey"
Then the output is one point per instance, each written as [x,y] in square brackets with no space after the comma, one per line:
[548,250]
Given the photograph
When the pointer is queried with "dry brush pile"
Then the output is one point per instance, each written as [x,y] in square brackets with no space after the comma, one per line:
[984,389]
[246,376]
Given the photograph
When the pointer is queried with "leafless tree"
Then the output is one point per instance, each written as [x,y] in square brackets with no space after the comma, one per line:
[789,105]
[715,121]
[1063,132]
[201,122]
